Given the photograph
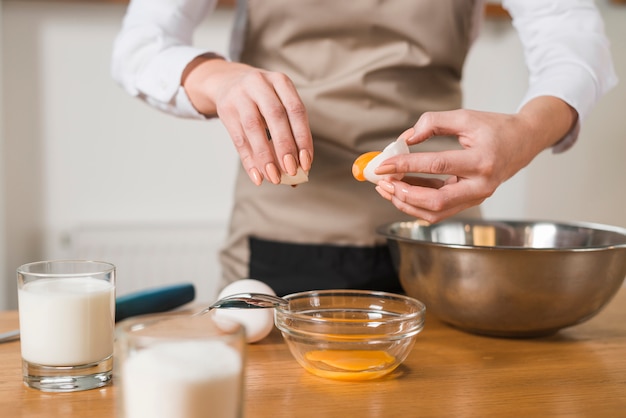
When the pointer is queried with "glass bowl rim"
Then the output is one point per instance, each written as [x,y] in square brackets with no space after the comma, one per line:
[418,314]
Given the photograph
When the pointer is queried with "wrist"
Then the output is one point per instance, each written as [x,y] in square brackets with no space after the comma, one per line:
[549,120]
[196,81]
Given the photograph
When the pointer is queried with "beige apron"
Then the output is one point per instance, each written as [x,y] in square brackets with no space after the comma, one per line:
[366,70]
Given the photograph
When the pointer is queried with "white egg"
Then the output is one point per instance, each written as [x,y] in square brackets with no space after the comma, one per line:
[257,322]
[397,147]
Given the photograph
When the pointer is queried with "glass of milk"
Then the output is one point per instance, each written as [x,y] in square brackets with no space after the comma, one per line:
[180,365]
[67,324]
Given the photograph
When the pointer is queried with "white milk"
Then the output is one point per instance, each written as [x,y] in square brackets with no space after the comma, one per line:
[66,321]
[184,379]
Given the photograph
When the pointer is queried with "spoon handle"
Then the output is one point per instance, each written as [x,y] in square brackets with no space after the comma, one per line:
[10,336]
[249,300]
[246,301]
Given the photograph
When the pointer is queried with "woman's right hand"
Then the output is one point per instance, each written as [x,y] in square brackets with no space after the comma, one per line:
[261,111]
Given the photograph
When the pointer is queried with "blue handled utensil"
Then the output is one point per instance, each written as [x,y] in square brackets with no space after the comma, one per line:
[158,299]
[154,300]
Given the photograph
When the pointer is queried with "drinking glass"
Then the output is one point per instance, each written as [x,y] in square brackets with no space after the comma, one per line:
[180,365]
[67,324]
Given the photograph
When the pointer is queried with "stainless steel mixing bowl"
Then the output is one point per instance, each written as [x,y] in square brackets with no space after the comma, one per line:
[509,278]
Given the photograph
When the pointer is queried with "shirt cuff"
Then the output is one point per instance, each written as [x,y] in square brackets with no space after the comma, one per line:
[576,87]
[159,82]
[180,105]
[568,140]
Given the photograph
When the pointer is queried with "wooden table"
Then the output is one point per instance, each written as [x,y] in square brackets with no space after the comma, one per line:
[579,372]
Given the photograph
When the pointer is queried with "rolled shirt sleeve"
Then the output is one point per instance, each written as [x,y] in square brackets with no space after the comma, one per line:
[154,46]
[567,54]
[566,50]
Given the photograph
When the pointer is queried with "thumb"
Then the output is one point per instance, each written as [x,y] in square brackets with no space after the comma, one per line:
[434,124]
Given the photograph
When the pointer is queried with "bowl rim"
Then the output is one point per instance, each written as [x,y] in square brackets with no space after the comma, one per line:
[384,230]
[418,314]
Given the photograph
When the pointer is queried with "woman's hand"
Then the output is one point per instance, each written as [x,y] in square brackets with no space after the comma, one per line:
[261,111]
[494,148]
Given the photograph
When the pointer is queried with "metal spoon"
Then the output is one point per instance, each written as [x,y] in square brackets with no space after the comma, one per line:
[246,301]
[237,301]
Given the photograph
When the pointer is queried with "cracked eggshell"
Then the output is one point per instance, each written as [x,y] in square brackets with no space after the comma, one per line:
[397,147]
[300,177]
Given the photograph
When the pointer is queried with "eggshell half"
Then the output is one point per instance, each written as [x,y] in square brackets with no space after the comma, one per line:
[398,147]
[257,322]
[300,177]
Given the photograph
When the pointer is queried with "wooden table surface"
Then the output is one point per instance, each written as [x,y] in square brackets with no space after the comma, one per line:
[578,372]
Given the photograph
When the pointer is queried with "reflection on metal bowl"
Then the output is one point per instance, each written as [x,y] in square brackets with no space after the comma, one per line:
[509,278]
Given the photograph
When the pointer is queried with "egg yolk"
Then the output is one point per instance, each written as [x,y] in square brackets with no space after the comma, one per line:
[350,364]
[358,167]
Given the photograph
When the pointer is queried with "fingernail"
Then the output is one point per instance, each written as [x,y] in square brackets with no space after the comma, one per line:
[385,169]
[255,176]
[305,160]
[407,134]
[272,172]
[386,186]
[291,165]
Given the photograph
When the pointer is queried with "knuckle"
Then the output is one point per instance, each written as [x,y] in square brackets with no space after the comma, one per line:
[264,155]
[487,168]
[255,77]
[295,108]
[464,115]
[487,191]
[252,124]
[231,97]
[437,205]
[427,118]
[246,160]
[275,111]
[281,78]
[438,202]
[431,218]
[425,121]
[438,166]
[239,141]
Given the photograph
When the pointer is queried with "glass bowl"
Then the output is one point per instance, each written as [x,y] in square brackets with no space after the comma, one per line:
[350,334]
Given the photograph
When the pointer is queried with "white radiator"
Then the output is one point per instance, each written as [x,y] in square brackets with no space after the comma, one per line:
[153,255]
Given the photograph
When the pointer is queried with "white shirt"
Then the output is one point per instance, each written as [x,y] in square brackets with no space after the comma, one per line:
[565,46]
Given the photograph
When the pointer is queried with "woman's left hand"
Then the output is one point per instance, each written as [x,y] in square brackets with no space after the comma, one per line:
[494,147]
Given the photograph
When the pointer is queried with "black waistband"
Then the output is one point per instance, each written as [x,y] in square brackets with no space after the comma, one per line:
[289,268]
